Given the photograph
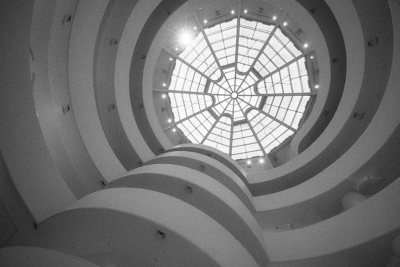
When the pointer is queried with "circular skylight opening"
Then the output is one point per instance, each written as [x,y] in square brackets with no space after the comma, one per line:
[240,86]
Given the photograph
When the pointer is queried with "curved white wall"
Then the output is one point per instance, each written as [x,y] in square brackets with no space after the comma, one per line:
[210,167]
[203,193]
[23,146]
[122,65]
[87,19]
[365,86]
[348,231]
[33,256]
[107,226]
[217,154]
[382,128]
[48,173]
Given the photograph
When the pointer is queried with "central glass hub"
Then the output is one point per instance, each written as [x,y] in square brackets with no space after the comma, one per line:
[234,95]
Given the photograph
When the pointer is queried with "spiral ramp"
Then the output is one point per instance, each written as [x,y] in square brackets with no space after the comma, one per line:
[88,178]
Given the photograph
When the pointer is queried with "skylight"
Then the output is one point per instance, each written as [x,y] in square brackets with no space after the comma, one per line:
[240,86]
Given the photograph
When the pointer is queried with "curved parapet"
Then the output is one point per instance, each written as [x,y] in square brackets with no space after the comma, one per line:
[129,149]
[204,193]
[358,237]
[129,37]
[34,256]
[332,69]
[140,227]
[364,89]
[23,146]
[376,147]
[82,44]
[210,167]
[77,112]
[216,154]
[361,235]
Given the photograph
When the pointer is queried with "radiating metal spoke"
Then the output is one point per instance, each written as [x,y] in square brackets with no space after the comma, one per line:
[237,32]
[284,94]
[187,63]
[277,70]
[188,92]
[211,49]
[284,66]
[269,116]
[215,123]
[231,141]
[193,115]
[235,106]
[254,133]
[220,137]
[265,44]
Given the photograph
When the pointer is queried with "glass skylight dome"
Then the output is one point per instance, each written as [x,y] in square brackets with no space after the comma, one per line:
[240,86]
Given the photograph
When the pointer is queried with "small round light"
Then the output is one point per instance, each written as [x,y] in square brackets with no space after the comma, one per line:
[163,96]
[205,21]
[170,59]
[312,57]
[176,48]
[169,120]
[245,11]
[194,28]
[164,84]
[316,86]
[274,17]
[233,12]
[305,45]
[261,161]
[174,129]
[285,24]
[249,162]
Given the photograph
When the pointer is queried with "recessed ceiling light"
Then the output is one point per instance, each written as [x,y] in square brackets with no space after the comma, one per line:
[164,84]
[305,45]
[170,59]
[205,21]
[249,162]
[274,17]
[285,23]
[185,38]
[312,57]
[174,129]
[163,96]
[176,48]
[316,86]
[194,28]
[169,120]
[245,11]
[261,160]
[233,12]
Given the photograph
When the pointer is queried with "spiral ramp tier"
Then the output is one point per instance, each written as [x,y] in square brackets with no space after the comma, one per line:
[89,177]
